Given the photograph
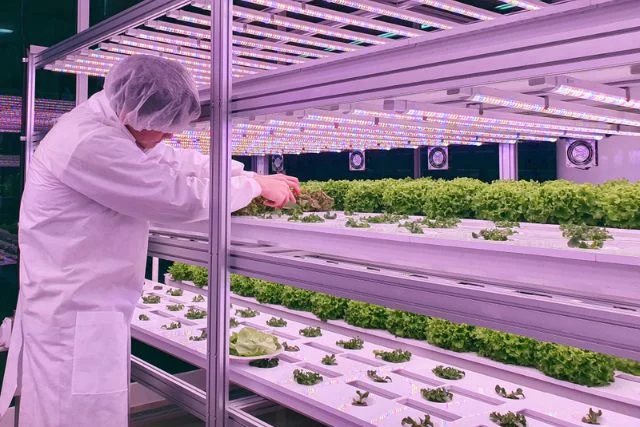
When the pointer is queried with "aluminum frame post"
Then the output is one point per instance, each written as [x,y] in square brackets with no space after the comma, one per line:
[260,164]
[28,107]
[82,81]
[219,230]
[417,163]
[508,161]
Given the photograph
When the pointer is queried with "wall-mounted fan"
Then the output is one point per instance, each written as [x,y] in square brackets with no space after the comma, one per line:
[438,158]
[581,154]
[277,163]
[357,160]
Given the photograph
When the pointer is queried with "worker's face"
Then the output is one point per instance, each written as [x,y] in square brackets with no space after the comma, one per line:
[147,139]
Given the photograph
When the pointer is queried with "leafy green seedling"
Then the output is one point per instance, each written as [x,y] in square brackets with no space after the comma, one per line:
[510,419]
[514,395]
[413,226]
[265,363]
[385,218]
[306,377]
[195,313]
[311,332]
[175,292]
[201,337]
[175,307]
[496,234]
[361,400]
[441,222]
[354,223]
[311,218]
[329,215]
[276,323]
[157,288]
[584,236]
[143,317]
[172,325]
[198,298]
[246,313]
[233,323]
[373,375]
[395,356]
[151,299]
[288,347]
[348,213]
[592,417]
[353,344]
[438,395]
[329,359]
[448,373]
[410,422]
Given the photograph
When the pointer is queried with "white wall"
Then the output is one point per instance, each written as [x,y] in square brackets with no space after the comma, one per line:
[618,158]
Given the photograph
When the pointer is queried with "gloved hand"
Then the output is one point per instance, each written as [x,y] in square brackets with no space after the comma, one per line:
[279,190]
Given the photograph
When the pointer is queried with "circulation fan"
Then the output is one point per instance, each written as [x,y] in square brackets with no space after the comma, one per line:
[438,158]
[277,163]
[581,154]
[357,160]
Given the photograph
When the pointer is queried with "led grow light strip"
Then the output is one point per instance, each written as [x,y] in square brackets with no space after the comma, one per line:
[398,13]
[576,88]
[266,32]
[294,24]
[328,15]
[185,51]
[267,18]
[461,9]
[196,43]
[416,131]
[526,4]
[239,40]
[422,111]
[557,108]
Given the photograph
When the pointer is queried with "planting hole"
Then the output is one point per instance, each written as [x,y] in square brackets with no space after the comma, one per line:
[323,347]
[331,262]
[624,308]
[629,377]
[364,360]
[361,385]
[475,396]
[428,409]
[283,335]
[163,314]
[419,276]
[254,326]
[547,419]
[373,269]
[477,285]
[288,358]
[327,373]
[534,294]
[417,377]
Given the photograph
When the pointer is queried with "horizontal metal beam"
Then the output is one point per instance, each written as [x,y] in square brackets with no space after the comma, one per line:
[174,389]
[543,316]
[563,38]
[131,17]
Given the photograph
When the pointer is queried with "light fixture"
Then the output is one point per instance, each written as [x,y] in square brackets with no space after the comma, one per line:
[526,4]
[597,92]
[393,12]
[201,34]
[195,18]
[6,31]
[541,105]
[461,9]
[328,15]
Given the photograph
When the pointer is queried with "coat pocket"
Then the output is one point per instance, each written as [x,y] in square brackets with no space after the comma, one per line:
[100,347]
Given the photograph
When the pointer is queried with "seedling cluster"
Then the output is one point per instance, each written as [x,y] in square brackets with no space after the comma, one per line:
[306,377]
[395,356]
[329,359]
[422,422]
[448,373]
[438,395]
[353,344]
[373,375]
[361,400]
[510,419]
[246,313]
[311,332]
[514,395]
[265,363]
[276,323]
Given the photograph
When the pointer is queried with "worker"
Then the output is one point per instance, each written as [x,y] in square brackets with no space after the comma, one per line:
[96,181]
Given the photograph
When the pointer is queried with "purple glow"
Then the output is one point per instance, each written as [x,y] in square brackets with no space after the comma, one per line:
[47,111]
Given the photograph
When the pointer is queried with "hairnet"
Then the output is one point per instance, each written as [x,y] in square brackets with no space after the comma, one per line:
[152,93]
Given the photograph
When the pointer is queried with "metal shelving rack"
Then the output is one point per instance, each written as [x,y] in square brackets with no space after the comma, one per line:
[561,38]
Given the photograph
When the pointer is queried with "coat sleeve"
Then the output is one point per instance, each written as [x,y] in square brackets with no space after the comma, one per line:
[111,170]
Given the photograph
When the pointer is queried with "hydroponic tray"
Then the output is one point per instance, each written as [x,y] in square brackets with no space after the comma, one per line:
[330,401]
[537,255]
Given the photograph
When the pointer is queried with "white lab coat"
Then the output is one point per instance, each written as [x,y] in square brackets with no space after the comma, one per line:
[84,222]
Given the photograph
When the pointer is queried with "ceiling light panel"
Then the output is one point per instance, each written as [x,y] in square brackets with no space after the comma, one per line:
[597,92]
[526,4]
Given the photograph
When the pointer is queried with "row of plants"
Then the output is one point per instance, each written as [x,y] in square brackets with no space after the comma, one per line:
[613,204]
[558,361]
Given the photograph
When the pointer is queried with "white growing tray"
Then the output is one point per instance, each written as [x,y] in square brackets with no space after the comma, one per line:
[474,396]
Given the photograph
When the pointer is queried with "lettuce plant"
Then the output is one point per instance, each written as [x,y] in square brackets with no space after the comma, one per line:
[297,299]
[327,307]
[373,375]
[438,395]
[361,400]
[458,337]
[506,348]
[422,422]
[180,272]
[575,365]
[395,356]
[366,315]
[448,373]
[407,325]
[510,419]
[306,377]
[265,363]
[269,293]
[329,359]
[592,417]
